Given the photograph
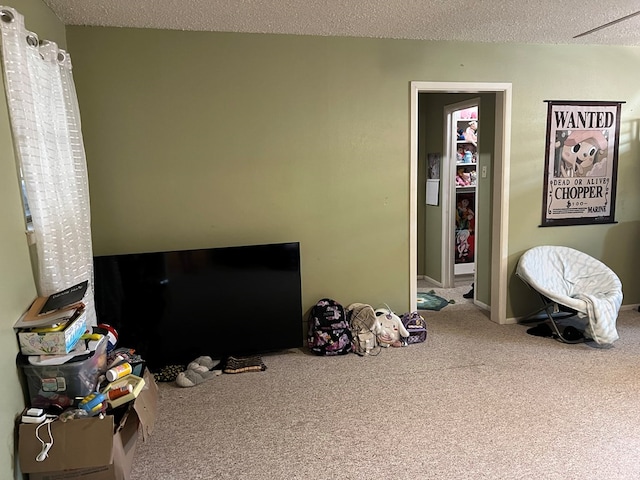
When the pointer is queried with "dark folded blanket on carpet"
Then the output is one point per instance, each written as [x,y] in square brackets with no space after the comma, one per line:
[244,364]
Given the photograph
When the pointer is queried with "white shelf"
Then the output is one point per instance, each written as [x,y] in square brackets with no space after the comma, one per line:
[464,268]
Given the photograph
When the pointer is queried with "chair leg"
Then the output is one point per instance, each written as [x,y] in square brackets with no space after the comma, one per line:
[558,335]
[533,316]
[548,308]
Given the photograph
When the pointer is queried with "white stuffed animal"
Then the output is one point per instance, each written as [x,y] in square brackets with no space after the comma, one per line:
[391,328]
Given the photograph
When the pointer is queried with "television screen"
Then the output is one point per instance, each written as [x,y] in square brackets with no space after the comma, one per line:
[172,307]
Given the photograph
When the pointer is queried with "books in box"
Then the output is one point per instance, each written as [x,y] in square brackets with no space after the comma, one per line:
[55,308]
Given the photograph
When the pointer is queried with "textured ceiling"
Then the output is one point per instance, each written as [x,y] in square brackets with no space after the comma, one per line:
[533,21]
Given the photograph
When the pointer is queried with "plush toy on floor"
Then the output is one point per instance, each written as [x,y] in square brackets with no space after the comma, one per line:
[198,371]
[393,332]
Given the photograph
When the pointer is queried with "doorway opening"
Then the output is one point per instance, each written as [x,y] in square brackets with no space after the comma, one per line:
[496,268]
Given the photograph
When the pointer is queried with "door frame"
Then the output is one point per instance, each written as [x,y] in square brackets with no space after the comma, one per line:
[500,207]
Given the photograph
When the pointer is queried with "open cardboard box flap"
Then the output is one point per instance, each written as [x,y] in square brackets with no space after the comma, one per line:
[146,405]
[90,448]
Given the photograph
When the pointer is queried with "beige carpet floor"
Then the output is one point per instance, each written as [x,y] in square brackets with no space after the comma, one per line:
[477,400]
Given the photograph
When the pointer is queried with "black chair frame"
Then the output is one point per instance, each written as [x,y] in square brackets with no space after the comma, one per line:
[552,311]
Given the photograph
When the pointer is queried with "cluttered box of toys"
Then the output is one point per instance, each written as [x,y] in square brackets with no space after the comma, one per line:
[89,399]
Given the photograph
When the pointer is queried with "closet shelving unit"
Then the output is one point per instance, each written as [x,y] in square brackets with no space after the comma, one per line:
[466,152]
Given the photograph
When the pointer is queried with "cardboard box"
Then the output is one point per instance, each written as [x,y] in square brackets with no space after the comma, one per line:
[90,448]
[53,343]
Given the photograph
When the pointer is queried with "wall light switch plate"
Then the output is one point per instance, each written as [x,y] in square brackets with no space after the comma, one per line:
[484,171]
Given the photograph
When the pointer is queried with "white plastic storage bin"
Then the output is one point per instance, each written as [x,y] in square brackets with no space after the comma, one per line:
[57,386]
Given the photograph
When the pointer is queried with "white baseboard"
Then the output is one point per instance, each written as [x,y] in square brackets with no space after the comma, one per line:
[431,280]
[482,305]
[633,306]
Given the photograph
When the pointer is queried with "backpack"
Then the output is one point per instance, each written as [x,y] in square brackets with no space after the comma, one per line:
[416,326]
[364,328]
[329,332]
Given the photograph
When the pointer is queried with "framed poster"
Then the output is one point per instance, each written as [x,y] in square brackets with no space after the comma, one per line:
[433,160]
[581,162]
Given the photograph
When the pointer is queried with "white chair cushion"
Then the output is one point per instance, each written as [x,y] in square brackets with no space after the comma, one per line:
[578,281]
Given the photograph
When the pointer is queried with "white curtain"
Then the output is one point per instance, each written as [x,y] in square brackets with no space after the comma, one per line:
[45,122]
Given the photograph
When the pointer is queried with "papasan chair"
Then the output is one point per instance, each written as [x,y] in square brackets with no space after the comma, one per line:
[570,282]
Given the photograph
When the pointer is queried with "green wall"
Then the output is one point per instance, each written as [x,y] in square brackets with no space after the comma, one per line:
[199,139]
[430,140]
[17,287]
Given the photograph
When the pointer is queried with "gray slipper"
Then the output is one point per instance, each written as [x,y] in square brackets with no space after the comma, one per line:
[191,378]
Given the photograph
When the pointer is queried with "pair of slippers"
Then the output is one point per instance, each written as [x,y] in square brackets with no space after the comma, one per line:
[198,371]
[570,334]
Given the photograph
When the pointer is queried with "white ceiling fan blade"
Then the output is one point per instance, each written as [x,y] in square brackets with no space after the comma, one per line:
[626,17]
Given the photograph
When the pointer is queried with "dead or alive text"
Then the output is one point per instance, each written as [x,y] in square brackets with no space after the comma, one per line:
[575,120]
[580,181]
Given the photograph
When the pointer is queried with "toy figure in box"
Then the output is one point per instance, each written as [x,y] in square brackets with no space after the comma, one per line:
[462,245]
[464,215]
[465,225]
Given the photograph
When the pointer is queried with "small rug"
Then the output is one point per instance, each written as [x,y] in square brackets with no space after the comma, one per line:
[431,301]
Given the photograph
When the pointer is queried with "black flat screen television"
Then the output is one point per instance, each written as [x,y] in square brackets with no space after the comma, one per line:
[172,307]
